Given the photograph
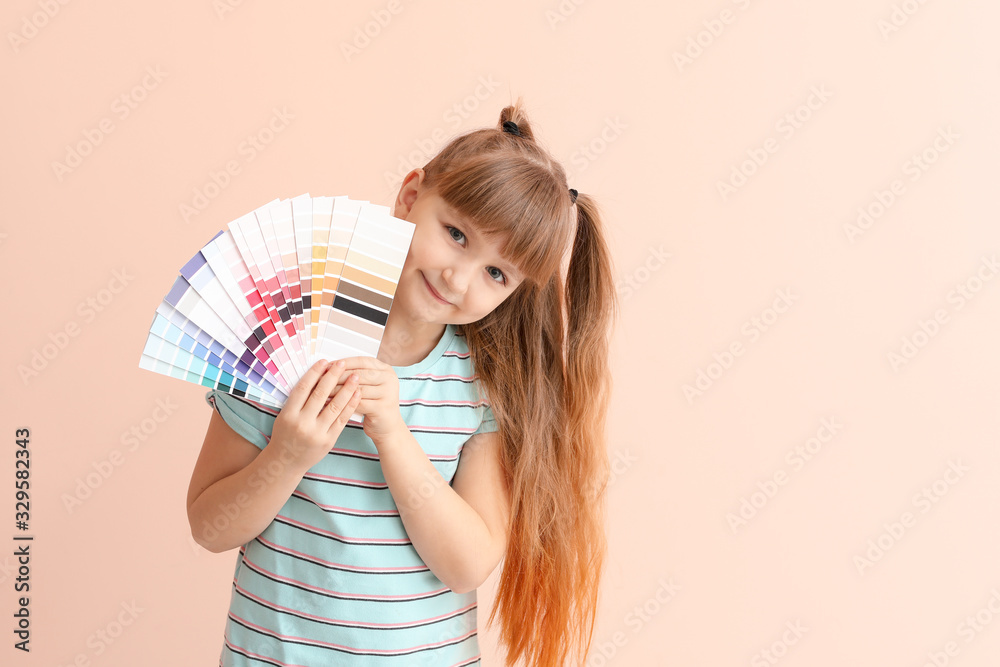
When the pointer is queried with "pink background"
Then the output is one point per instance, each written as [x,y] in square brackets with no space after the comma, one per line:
[810,111]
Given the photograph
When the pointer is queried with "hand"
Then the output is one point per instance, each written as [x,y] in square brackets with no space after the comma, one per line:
[379,397]
[307,426]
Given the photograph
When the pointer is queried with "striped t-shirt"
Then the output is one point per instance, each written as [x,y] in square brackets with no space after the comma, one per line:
[334,579]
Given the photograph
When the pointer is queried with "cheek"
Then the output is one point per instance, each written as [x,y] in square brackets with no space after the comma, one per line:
[422,250]
[489,303]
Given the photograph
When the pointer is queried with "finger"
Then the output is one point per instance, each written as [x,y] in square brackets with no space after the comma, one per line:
[364,363]
[322,390]
[341,406]
[367,375]
[303,388]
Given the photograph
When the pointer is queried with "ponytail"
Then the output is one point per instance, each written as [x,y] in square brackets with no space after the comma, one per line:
[542,358]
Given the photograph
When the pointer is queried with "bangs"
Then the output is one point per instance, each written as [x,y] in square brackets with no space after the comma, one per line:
[516,200]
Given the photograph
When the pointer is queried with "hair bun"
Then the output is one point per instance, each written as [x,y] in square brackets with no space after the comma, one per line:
[511,127]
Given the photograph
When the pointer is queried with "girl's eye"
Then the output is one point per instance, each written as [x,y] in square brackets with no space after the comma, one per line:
[498,276]
[503,279]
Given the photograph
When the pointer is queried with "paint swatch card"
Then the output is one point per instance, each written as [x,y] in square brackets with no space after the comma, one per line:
[281,287]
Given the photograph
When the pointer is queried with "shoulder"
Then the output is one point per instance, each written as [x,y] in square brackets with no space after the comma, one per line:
[477,391]
[251,420]
[458,347]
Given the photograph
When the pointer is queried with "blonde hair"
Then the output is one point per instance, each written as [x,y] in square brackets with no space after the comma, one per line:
[542,359]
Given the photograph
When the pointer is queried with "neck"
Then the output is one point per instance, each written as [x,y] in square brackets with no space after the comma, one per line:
[405,342]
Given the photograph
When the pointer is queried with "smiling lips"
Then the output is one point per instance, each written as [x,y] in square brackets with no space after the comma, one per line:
[434,292]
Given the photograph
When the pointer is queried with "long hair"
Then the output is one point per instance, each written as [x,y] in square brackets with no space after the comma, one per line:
[542,361]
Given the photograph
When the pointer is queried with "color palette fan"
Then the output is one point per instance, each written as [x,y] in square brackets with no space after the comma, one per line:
[292,282]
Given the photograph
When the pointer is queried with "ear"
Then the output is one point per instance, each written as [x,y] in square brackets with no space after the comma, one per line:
[408,193]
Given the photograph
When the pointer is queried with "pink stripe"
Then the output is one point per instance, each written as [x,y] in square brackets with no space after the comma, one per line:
[352,596]
[451,376]
[447,641]
[317,642]
[373,457]
[302,494]
[373,485]
[442,429]
[260,656]
[367,455]
[372,570]
[353,624]
[467,661]
[352,540]
[418,401]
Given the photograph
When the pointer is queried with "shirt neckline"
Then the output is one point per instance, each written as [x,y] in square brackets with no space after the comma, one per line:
[432,356]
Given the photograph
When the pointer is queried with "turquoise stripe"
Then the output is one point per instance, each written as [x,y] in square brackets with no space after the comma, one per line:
[302,568]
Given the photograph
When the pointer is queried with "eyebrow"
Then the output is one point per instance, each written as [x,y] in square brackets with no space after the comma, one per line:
[453,216]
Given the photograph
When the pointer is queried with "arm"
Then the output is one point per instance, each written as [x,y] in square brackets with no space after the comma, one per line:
[460,531]
[236,489]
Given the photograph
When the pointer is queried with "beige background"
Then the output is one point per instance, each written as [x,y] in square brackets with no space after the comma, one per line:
[651,138]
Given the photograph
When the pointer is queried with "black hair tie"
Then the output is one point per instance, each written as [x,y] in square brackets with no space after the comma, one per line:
[511,127]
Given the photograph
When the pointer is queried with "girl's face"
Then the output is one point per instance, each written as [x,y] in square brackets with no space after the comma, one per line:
[452,274]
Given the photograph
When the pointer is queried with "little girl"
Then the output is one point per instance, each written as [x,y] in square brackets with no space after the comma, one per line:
[483,440]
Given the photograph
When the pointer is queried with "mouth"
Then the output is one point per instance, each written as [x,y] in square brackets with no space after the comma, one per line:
[434,292]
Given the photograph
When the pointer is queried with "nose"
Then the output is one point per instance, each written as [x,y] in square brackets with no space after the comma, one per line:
[457,278]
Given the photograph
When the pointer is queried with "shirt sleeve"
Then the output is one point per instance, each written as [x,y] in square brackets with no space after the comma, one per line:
[251,420]
[489,424]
